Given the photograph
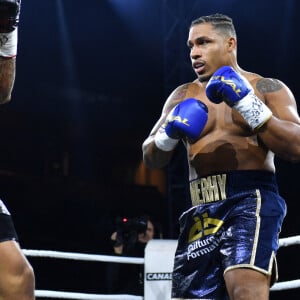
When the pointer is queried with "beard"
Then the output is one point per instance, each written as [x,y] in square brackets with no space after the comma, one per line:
[204,78]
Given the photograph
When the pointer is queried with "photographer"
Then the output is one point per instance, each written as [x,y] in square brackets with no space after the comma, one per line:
[129,239]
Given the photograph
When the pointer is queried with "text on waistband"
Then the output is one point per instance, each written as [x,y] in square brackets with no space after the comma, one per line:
[208,189]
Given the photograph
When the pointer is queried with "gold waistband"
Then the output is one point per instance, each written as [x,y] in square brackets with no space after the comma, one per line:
[208,189]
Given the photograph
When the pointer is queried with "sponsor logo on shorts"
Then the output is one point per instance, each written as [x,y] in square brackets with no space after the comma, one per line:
[204,226]
[203,247]
[158,276]
[204,236]
[208,189]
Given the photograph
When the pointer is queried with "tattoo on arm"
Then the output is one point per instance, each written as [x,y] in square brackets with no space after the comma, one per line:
[180,94]
[268,85]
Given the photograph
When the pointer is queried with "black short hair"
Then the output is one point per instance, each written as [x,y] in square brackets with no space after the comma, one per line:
[220,22]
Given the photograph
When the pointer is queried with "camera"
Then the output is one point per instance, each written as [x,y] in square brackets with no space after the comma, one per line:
[129,228]
[138,225]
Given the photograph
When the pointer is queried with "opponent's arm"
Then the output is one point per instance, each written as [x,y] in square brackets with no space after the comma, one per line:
[9,20]
[7,78]
[184,120]
[281,134]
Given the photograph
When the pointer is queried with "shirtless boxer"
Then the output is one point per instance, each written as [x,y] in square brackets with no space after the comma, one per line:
[16,274]
[232,122]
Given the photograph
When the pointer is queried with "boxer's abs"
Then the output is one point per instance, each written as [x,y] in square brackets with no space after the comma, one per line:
[214,155]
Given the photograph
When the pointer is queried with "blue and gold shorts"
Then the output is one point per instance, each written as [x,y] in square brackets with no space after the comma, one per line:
[234,222]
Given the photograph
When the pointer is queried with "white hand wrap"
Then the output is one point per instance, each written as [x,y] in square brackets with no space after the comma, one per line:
[163,141]
[253,110]
[8,43]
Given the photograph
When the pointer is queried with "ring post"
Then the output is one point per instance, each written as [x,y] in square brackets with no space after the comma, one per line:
[159,260]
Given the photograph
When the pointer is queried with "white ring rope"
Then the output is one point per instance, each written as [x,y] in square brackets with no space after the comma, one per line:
[81,256]
[68,295]
[294,240]
[283,242]
[286,285]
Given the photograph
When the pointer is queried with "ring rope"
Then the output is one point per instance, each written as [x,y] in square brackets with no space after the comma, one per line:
[286,285]
[69,295]
[293,240]
[81,256]
[283,242]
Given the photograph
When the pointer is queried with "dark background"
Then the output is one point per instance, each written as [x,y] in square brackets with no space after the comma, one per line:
[91,81]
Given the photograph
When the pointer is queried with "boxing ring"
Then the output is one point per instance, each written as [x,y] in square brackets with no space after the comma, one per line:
[161,250]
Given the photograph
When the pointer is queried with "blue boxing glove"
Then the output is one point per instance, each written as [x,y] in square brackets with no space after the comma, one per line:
[231,87]
[186,120]
[9,20]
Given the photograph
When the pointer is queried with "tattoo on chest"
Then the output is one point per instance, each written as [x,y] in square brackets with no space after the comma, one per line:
[268,85]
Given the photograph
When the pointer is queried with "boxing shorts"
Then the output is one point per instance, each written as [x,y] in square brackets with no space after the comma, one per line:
[234,222]
[7,228]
